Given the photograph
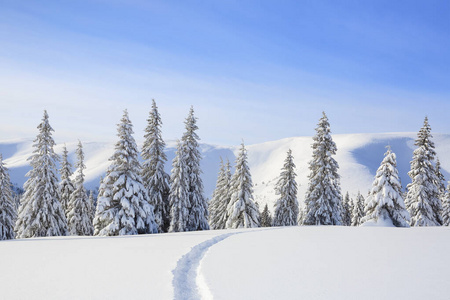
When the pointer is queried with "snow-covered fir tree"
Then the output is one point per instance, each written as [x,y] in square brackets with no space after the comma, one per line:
[178,196]
[358,210]
[301,216]
[122,205]
[198,206]
[93,206]
[346,211]
[323,196]
[41,213]
[446,207]
[266,219]
[286,207]
[385,202]
[242,210]
[79,216]
[156,180]
[66,186]
[221,198]
[440,179]
[422,200]
[8,212]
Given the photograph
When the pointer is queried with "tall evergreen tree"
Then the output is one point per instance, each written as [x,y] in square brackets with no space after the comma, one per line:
[93,206]
[79,217]
[122,205]
[198,206]
[346,211]
[385,200]
[178,196]
[242,210]
[358,210]
[323,196]
[446,207]
[8,212]
[440,179]
[66,186]
[422,200]
[156,180]
[266,219]
[286,207]
[41,213]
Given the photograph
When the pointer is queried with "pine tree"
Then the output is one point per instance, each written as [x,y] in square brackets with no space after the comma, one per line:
[198,206]
[242,210]
[446,207]
[385,200]
[286,207]
[358,210]
[178,196]
[221,198]
[93,206]
[422,200]
[266,219]
[122,205]
[346,211]
[323,197]
[66,186]
[440,179]
[41,213]
[301,216]
[79,217]
[8,212]
[156,180]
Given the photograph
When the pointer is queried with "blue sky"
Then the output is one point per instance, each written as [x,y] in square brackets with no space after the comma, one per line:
[254,70]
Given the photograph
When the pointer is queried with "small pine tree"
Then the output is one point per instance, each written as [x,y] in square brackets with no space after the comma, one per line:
[156,180]
[385,200]
[440,179]
[446,207]
[301,216]
[66,186]
[242,210]
[346,211]
[286,207]
[221,198]
[266,219]
[358,210]
[41,213]
[8,213]
[422,200]
[93,206]
[79,217]
[323,197]
[198,206]
[122,205]
[178,196]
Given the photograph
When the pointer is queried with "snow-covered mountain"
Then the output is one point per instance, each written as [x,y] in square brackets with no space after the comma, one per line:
[358,155]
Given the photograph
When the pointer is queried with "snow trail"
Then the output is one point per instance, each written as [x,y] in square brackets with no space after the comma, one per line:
[187,282]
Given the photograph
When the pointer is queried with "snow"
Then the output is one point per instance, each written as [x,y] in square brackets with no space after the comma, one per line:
[306,262]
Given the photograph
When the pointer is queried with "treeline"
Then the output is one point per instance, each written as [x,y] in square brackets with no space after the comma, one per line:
[137,198]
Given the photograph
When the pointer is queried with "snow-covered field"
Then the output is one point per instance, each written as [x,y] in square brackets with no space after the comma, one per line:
[358,155]
[276,263]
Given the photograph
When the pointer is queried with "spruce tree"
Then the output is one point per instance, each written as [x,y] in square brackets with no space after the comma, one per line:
[178,196]
[93,206]
[198,206]
[122,205]
[346,211]
[440,179]
[242,210]
[156,180]
[79,217]
[8,212]
[422,200]
[220,198]
[266,219]
[446,207]
[41,213]
[66,186]
[286,207]
[358,210]
[385,201]
[301,216]
[323,196]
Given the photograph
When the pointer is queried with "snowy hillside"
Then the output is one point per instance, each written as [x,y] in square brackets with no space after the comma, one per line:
[358,155]
[278,263]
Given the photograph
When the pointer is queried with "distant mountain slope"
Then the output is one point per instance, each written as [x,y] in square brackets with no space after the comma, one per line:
[358,155]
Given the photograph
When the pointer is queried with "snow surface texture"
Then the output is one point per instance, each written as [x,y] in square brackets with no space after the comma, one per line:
[358,155]
[306,262]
